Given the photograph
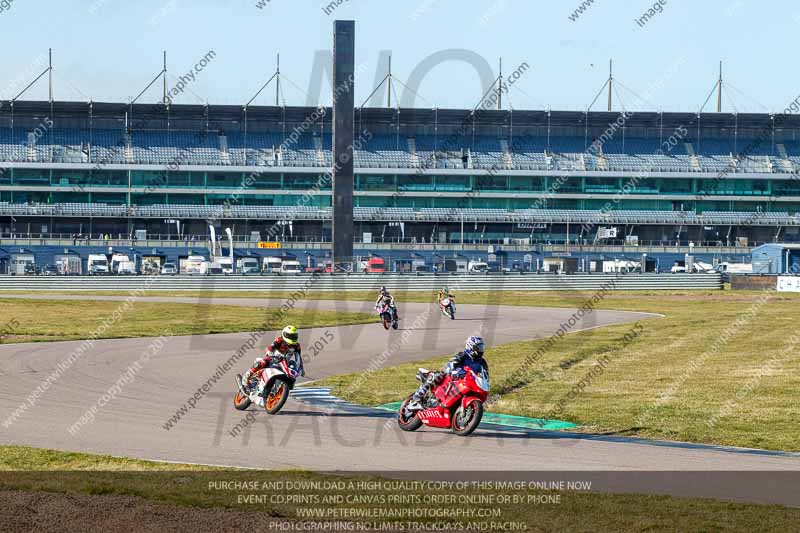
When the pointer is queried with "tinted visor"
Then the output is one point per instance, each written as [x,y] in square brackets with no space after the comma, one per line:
[292,337]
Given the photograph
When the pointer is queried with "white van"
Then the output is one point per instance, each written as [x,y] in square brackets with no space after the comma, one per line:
[271,264]
[290,266]
[223,264]
[122,264]
[247,265]
[735,268]
[478,267]
[97,264]
[196,264]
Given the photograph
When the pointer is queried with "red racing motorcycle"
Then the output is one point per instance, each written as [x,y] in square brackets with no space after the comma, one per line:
[456,403]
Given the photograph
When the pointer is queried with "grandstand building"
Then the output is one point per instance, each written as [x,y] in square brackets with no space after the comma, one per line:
[422,175]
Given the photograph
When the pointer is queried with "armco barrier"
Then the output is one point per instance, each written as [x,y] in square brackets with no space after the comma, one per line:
[753,282]
[367,282]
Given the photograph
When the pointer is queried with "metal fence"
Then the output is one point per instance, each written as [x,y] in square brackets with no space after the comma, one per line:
[368,282]
[18,241]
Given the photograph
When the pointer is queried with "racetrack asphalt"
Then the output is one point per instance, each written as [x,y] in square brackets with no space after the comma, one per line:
[302,436]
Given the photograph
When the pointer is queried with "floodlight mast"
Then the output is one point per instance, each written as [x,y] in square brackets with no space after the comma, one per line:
[275,76]
[165,100]
[389,88]
[608,83]
[388,80]
[164,97]
[48,70]
[718,88]
[498,81]
[162,73]
[50,81]
[500,87]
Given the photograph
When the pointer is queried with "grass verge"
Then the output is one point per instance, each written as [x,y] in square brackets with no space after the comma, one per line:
[719,368]
[716,369]
[54,320]
[49,471]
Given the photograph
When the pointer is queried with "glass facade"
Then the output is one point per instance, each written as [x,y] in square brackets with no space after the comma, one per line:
[415,190]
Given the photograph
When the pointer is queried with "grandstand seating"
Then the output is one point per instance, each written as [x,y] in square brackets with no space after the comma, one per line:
[177,148]
[407,214]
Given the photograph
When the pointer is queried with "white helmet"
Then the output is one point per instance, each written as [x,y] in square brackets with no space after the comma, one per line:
[474,346]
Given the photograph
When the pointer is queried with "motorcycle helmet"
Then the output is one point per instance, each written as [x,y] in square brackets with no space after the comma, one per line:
[290,335]
[474,347]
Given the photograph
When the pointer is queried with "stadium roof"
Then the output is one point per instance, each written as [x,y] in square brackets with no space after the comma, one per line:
[407,116]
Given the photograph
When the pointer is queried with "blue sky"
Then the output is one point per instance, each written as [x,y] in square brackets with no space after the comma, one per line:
[110,49]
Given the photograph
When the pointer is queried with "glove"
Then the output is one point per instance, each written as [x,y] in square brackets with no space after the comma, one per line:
[459,373]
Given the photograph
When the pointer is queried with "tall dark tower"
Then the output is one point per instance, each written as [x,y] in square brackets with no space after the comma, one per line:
[343,85]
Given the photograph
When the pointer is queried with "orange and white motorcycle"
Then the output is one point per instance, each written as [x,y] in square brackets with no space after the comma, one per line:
[269,388]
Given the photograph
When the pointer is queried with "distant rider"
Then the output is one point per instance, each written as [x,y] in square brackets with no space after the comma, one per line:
[284,344]
[443,293]
[472,354]
[385,298]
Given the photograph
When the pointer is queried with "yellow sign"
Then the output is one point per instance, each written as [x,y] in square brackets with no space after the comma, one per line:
[269,244]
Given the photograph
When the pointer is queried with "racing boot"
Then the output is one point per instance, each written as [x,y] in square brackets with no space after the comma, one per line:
[415,404]
[416,401]
[242,384]
[245,380]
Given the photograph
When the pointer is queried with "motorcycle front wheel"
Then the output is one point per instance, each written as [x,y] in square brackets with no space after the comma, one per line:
[465,421]
[386,322]
[277,396]
[408,423]
[240,401]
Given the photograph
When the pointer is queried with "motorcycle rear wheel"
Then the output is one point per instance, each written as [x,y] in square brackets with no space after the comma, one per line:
[276,397]
[408,424]
[464,423]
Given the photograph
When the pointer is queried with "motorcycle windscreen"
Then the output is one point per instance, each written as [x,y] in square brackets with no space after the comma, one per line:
[477,367]
[294,361]
[481,374]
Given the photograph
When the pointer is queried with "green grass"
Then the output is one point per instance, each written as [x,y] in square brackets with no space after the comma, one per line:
[26,320]
[40,470]
[648,388]
[631,396]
